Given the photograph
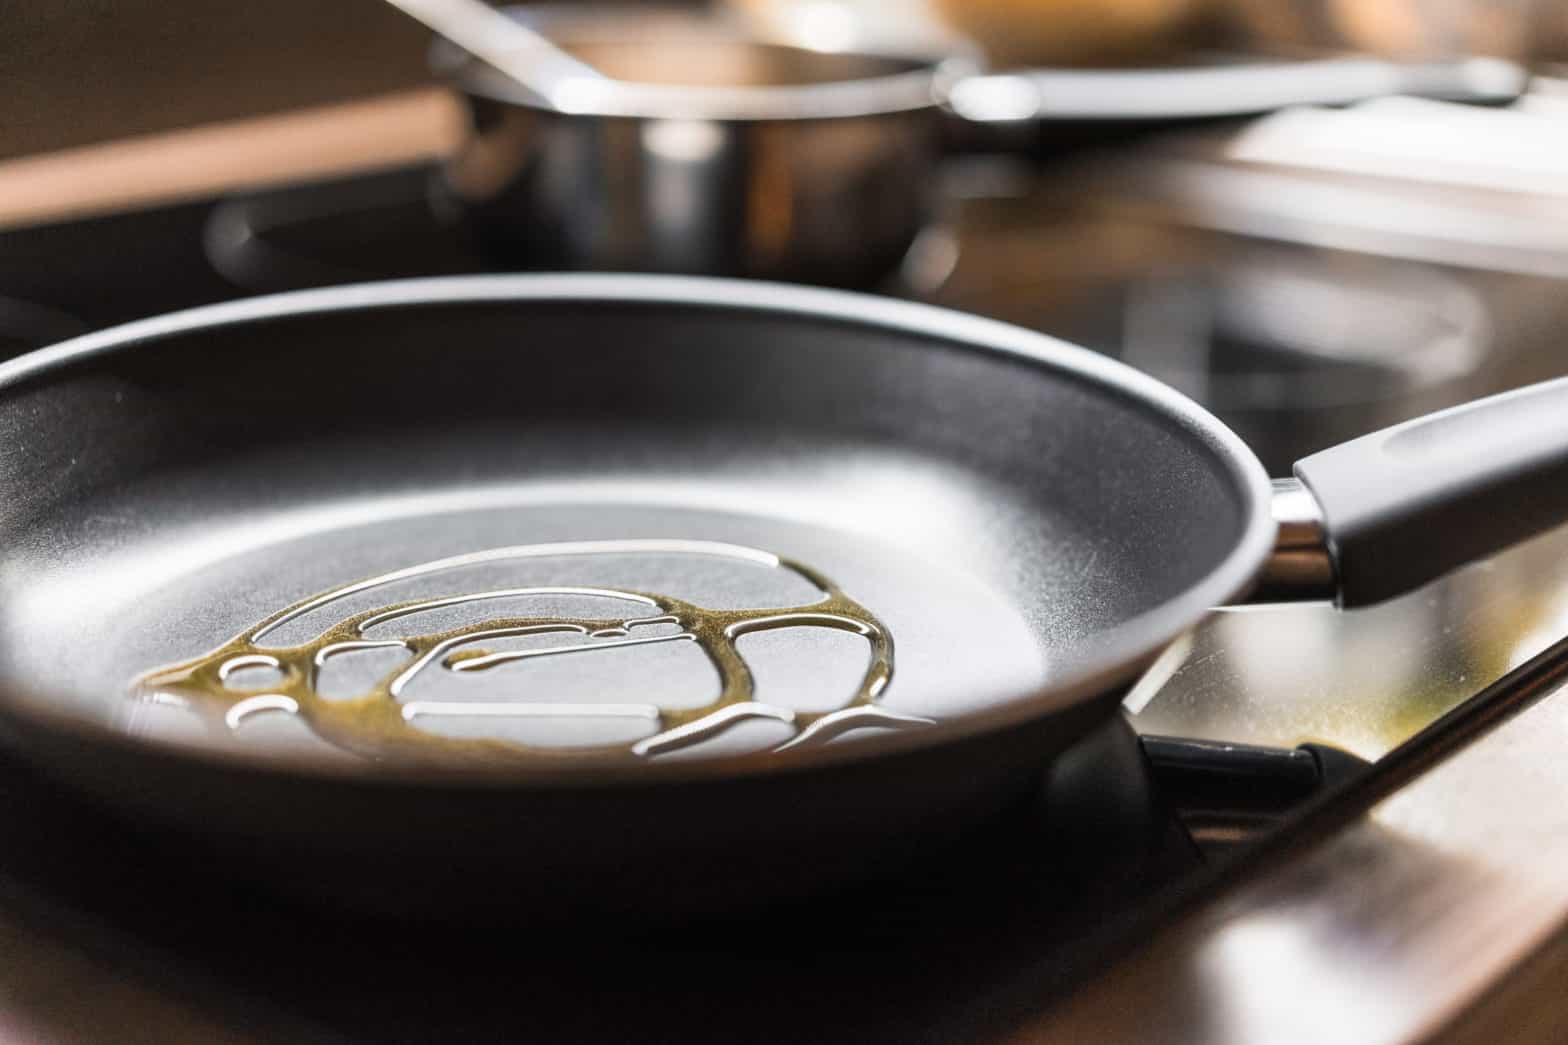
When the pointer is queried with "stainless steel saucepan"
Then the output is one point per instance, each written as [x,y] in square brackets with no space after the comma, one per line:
[639,595]
[707,150]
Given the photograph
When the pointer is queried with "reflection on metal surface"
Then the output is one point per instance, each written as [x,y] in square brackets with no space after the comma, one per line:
[1295,347]
[1261,329]
[714,151]
[1362,680]
[378,723]
[1301,566]
[1159,674]
[1367,679]
[1226,89]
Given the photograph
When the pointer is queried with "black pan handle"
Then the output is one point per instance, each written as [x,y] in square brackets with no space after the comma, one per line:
[1244,89]
[1403,506]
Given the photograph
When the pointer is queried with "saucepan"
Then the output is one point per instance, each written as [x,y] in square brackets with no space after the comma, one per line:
[711,150]
[639,596]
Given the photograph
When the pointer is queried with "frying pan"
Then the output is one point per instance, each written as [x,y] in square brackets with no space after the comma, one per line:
[714,151]
[697,593]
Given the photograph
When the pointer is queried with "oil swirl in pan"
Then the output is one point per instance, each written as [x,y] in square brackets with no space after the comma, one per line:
[378,724]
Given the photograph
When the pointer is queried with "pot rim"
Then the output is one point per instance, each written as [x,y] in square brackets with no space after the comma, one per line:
[921,85]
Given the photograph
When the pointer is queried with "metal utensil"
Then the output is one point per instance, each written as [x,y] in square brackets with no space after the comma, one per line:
[553,77]
[718,152]
[519,488]
[1243,89]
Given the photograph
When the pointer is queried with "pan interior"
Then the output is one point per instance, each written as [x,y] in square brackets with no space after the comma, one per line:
[574,519]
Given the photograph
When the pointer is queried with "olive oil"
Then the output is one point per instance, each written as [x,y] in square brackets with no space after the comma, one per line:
[380,725]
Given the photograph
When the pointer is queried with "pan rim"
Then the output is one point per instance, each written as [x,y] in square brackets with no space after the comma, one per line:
[1118,656]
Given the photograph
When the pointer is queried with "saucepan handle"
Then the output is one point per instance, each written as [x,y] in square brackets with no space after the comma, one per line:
[1126,95]
[1403,506]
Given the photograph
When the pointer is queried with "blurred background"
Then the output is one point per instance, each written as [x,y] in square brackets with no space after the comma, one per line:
[79,71]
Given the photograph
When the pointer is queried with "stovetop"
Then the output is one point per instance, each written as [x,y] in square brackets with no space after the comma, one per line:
[1131,836]
[905,964]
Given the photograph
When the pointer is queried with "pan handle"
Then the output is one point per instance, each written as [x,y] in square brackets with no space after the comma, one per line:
[1125,95]
[1401,507]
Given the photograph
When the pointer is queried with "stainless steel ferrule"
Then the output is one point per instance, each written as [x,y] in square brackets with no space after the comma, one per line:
[1302,565]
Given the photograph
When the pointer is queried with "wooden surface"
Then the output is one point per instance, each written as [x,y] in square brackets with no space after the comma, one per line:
[80,71]
[311,143]
[1525,1009]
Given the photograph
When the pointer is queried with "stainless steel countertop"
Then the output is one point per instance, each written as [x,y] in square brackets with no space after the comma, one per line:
[1365,680]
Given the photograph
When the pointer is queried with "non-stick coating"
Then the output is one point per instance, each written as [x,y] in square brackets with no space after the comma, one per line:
[1031,522]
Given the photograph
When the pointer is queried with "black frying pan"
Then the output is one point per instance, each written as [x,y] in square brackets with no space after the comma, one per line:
[604,594]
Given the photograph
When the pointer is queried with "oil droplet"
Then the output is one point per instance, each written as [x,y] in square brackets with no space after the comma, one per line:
[377,725]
